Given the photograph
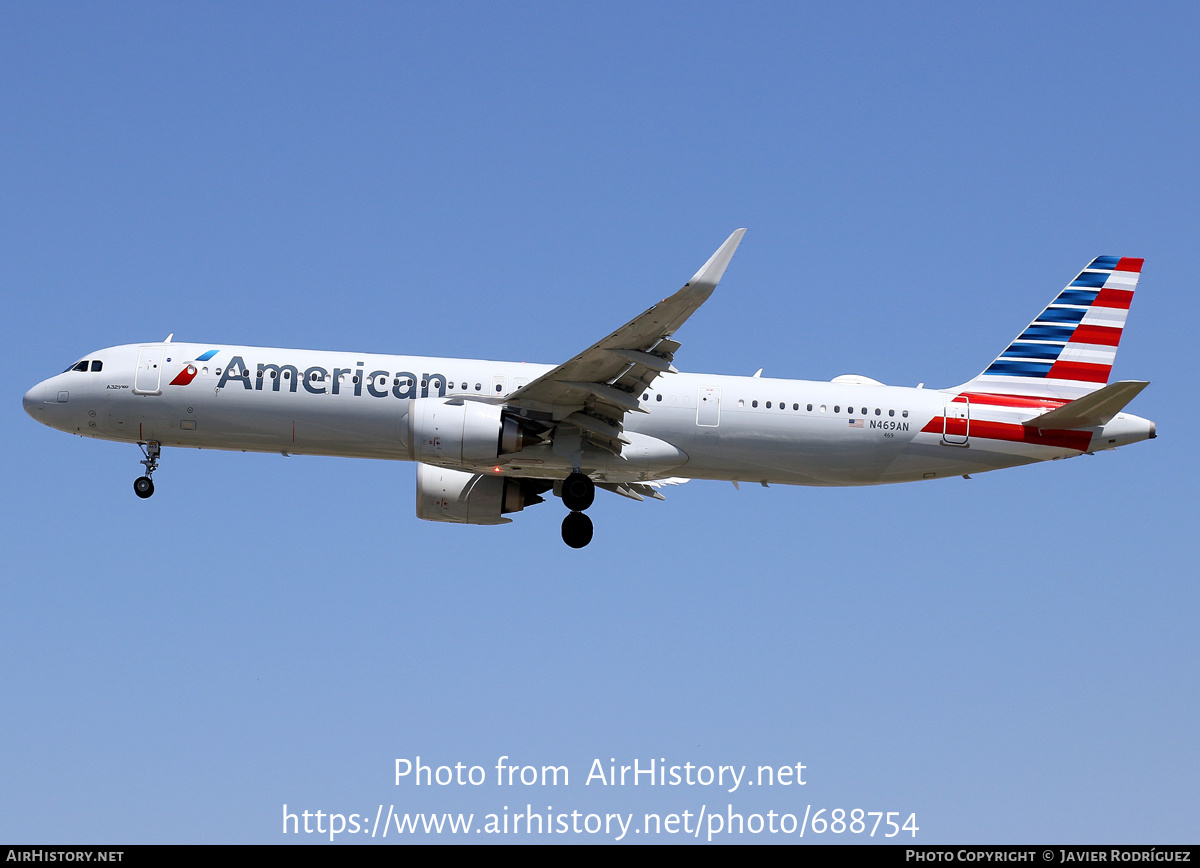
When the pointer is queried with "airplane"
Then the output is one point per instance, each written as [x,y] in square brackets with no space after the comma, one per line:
[490,438]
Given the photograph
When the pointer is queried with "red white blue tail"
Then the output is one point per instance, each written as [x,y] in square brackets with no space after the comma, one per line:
[1068,350]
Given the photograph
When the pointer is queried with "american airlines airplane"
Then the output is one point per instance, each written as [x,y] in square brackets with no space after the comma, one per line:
[490,438]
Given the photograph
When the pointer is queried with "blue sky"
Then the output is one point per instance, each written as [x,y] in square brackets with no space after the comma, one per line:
[1014,658]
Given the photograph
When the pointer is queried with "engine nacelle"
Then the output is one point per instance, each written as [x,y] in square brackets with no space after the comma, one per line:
[463,432]
[472,498]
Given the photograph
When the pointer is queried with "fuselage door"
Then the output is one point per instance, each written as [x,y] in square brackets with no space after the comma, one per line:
[708,407]
[148,375]
[957,421]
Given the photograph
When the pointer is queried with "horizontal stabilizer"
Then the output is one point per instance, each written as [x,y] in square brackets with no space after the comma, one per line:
[1092,410]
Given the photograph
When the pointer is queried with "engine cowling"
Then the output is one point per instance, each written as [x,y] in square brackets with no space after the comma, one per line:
[463,432]
[472,498]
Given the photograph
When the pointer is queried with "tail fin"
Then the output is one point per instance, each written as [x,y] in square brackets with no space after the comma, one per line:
[1068,350]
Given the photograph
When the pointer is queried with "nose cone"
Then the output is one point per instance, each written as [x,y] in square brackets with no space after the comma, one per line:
[33,401]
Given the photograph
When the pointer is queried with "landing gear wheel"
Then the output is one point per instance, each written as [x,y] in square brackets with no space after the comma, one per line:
[578,492]
[143,486]
[577,530]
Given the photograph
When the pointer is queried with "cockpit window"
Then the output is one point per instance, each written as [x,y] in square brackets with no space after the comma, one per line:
[82,366]
[97,365]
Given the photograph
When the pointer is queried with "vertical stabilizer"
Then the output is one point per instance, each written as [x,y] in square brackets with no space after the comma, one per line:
[1068,350]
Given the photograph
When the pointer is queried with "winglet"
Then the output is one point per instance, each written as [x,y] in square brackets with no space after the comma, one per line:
[711,272]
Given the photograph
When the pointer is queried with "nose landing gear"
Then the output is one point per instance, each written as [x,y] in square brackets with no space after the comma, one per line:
[578,492]
[143,486]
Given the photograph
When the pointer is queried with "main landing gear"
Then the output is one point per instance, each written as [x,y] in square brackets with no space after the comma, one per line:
[578,492]
[143,486]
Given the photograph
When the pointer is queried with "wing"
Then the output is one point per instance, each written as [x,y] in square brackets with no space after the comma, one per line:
[594,390]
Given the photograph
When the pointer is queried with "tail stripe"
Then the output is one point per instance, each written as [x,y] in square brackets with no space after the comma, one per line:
[1119,298]
[1020,369]
[1091,353]
[1086,373]
[1097,334]
[1109,317]
[1032,351]
[1046,333]
[1062,314]
[1076,296]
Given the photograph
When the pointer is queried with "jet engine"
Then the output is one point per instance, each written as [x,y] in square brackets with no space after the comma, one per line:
[464,432]
[473,498]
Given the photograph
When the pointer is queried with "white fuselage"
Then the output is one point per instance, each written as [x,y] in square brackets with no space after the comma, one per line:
[698,426]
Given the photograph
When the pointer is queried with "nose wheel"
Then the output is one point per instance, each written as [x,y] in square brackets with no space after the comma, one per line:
[578,492]
[143,486]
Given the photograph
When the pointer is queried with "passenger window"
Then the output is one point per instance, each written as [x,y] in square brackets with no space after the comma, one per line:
[837,408]
[891,412]
[768,405]
[810,408]
[658,398]
[877,411]
[905,414]
[754,403]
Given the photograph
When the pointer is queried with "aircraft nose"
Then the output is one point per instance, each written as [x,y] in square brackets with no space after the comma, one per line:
[34,400]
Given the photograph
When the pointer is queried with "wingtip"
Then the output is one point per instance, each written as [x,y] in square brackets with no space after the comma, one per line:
[711,272]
